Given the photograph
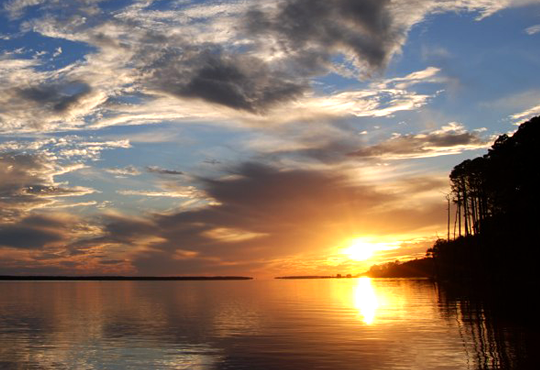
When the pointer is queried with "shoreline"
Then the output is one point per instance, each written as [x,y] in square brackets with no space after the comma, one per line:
[121,278]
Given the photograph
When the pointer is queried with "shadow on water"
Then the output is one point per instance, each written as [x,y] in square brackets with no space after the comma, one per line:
[499,327]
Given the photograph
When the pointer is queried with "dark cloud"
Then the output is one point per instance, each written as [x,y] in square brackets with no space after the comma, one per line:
[39,103]
[236,81]
[58,97]
[34,232]
[111,262]
[331,151]
[163,171]
[320,28]
[27,238]
[423,145]
[268,188]
[212,161]
[127,230]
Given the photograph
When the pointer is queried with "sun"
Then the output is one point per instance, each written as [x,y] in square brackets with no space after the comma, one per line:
[360,250]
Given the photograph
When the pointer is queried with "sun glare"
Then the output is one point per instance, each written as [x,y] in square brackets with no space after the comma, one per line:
[360,250]
[365,300]
[364,248]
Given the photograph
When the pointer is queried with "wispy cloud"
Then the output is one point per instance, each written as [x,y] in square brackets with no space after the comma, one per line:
[533,29]
[30,170]
[70,147]
[28,183]
[526,114]
[123,172]
[188,192]
[17,7]
[450,139]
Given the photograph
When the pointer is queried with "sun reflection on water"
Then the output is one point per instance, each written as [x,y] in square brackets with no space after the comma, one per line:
[365,300]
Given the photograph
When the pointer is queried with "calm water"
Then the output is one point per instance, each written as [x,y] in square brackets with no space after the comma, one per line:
[282,324]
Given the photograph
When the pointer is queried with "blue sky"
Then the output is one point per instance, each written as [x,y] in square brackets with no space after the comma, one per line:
[247,137]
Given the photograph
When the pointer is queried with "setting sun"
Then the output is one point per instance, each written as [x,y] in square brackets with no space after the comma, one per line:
[364,248]
[360,250]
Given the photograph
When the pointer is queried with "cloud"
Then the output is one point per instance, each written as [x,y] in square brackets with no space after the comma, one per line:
[29,171]
[372,101]
[428,75]
[28,106]
[56,98]
[163,171]
[450,139]
[252,217]
[36,97]
[533,30]
[73,205]
[66,148]
[309,34]
[53,244]
[28,183]
[181,192]
[485,8]
[34,232]
[247,60]
[17,7]
[123,172]
[261,214]
[233,80]
[314,30]
[75,147]
[526,114]
[57,52]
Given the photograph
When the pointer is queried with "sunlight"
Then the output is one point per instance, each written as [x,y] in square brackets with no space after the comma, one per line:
[365,300]
[360,250]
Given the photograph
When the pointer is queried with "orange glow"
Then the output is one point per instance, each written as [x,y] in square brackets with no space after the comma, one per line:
[365,300]
[360,250]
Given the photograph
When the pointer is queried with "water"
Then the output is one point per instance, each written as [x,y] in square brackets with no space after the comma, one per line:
[281,324]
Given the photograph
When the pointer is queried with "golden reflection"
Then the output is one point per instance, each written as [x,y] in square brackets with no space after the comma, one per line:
[365,300]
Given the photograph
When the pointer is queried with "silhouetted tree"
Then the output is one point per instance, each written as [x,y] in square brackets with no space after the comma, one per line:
[497,210]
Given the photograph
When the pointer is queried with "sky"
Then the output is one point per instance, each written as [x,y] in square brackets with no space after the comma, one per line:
[256,138]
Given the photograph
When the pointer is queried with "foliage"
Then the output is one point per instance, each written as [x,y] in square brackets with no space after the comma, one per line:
[497,203]
[415,268]
[503,182]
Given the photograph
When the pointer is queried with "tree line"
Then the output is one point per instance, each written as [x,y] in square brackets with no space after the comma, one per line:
[502,182]
[492,234]
[493,216]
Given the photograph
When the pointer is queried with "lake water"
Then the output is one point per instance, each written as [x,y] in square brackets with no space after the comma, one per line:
[279,324]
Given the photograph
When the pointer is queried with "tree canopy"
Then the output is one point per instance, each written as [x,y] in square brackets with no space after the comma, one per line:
[497,203]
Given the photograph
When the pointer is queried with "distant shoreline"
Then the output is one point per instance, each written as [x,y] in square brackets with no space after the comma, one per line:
[120,278]
[316,277]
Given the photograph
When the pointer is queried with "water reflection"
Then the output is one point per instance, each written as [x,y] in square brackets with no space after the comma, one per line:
[365,300]
[324,324]
[499,329]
